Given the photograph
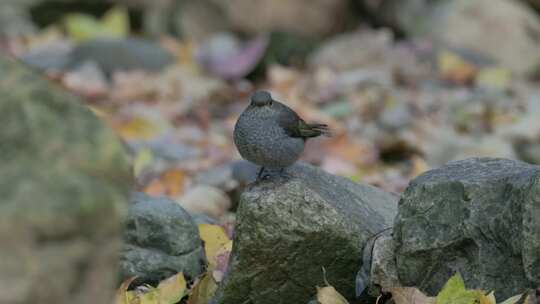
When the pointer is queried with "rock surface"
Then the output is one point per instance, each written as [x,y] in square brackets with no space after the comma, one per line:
[306,17]
[64,187]
[478,216]
[464,24]
[121,55]
[207,200]
[161,240]
[288,229]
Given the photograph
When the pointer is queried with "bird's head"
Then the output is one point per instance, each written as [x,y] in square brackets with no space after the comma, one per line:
[261,99]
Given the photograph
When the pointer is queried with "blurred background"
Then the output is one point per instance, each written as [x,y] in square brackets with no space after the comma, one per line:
[405,85]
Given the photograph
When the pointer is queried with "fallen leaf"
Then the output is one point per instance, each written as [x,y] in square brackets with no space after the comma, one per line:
[169,183]
[454,292]
[513,300]
[410,295]
[329,295]
[115,23]
[488,299]
[136,128]
[203,290]
[238,64]
[121,296]
[214,238]
[142,161]
[172,290]
[222,261]
[455,69]
[494,77]
[419,166]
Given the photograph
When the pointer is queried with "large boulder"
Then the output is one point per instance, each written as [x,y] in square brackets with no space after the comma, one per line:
[312,18]
[161,240]
[288,229]
[474,25]
[479,216]
[64,185]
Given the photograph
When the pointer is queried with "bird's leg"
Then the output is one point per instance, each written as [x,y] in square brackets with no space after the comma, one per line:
[260,173]
[282,173]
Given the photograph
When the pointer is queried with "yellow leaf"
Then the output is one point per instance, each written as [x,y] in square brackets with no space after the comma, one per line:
[82,27]
[512,300]
[150,297]
[122,296]
[142,160]
[116,22]
[203,291]
[329,295]
[419,166]
[494,77]
[170,183]
[410,295]
[454,292]
[214,238]
[172,290]
[454,68]
[136,128]
[488,299]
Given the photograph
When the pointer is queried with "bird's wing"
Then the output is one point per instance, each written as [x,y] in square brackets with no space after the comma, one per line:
[295,126]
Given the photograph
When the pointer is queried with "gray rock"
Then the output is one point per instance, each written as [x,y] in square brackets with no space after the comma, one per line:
[288,229]
[311,18]
[383,272]
[121,54]
[478,216]
[161,240]
[14,18]
[64,185]
[50,57]
[231,177]
[464,24]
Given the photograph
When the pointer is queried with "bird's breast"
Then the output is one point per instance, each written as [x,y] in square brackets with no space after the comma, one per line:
[265,143]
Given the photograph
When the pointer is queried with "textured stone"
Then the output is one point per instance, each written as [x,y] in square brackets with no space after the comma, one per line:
[306,17]
[289,228]
[464,24]
[479,216]
[113,55]
[64,186]
[161,240]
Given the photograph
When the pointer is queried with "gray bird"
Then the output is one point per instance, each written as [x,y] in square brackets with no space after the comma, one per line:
[271,135]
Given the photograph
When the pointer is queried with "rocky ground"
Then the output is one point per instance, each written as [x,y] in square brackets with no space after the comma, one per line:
[406,86]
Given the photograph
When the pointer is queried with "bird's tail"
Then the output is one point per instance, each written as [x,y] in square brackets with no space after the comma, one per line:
[314,130]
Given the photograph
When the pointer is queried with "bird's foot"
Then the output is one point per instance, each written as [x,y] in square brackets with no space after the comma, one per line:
[283,173]
[262,175]
[265,174]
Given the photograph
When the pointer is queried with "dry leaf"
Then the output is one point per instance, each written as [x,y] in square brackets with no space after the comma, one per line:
[410,295]
[329,295]
[455,69]
[136,128]
[214,238]
[82,27]
[222,261]
[454,292]
[203,290]
[170,183]
[142,160]
[172,290]
[488,299]
[121,296]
